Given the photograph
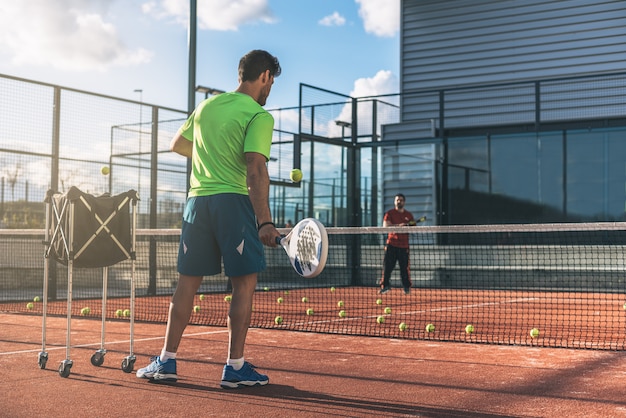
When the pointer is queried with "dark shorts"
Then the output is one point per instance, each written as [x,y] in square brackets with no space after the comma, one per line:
[220,227]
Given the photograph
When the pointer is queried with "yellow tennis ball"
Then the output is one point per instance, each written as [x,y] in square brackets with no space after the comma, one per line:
[279,300]
[105,170]
[85,311]
[30,305]
[126,313]
[380,319]
[309,311]
[228,298]
[430,328]
[305,299]
[332,289]
[379,301]
[278,320]
[36,299]
[387,310]
[469,328]
[295,175]
[342,314]
[119,313]
[266,289]
[534,333]
[201,297]
[196,308]
[402,326]
[624,306]
[340,303]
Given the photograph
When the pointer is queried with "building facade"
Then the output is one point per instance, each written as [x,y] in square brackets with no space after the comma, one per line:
[511,112]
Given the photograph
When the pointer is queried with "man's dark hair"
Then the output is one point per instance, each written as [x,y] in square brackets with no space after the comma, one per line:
[400,195]
[256,62]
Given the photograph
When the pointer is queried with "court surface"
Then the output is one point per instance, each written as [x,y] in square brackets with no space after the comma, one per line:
[310,375]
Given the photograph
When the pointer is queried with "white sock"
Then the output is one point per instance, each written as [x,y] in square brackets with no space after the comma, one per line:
[236,364]
[166,355]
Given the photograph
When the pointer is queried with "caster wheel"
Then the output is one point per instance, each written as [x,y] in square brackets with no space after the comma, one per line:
[43,360]
[128,364]
[97,359]
[64,368]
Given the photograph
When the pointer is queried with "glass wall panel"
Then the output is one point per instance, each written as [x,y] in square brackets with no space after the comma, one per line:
[561,176]
[596,175]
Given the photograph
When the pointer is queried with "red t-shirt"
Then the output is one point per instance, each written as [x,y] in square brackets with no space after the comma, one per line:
[395,217]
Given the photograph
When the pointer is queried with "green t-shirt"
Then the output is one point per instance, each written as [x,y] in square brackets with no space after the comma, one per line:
[222,129]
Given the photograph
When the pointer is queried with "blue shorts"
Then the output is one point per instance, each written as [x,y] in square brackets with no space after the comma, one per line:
[220,227]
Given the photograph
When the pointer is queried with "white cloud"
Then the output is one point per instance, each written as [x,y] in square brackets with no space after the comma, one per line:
[64,34]
[380,17]
[224,15]
[333,20]
[384,82]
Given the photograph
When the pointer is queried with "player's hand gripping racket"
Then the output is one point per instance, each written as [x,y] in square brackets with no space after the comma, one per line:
[420,220]
[307,247]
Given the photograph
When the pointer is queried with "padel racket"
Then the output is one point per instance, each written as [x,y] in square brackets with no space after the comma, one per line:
[420,220]
[306,246]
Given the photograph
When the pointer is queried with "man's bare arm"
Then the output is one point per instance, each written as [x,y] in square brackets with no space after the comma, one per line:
[258,182]
[181,145]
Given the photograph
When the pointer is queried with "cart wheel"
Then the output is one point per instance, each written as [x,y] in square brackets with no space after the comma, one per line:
[97,359]
[64,368]
[43,360]
[128,364]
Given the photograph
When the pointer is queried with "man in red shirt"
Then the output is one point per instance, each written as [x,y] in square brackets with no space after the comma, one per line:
[397,248]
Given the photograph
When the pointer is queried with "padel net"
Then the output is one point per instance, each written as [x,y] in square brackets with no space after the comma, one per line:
[564,282]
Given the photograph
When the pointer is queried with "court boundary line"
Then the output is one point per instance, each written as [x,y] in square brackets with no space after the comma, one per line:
[87,345]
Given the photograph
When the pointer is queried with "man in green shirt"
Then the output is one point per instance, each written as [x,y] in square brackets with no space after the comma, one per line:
[227,216]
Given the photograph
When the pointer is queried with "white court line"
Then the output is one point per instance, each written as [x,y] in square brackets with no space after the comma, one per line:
[107,343]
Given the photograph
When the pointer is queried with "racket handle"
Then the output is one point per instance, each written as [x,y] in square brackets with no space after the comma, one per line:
[279,239]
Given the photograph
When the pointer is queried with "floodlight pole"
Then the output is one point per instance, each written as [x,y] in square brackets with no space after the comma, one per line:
[191,82]
[140,91]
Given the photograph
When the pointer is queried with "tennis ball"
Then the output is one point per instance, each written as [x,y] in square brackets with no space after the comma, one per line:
[266,289]
[126,313]
[228,298]
[340,303]
[624,306]
[379,301]
[196,308]
[85,311]
[332,289]
[201,297]
[380,319]
[36,299]
[469,328]
[278,320]
[387,310]
[305,299]
[430,328]
[279,300]
[402,326]
[286,292]
[534,333]
[295,175]
[309,311]
[342,314]
[105,170]
[119,313]
[30,305]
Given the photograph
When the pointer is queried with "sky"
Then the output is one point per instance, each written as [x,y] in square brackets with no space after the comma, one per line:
[116,47]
